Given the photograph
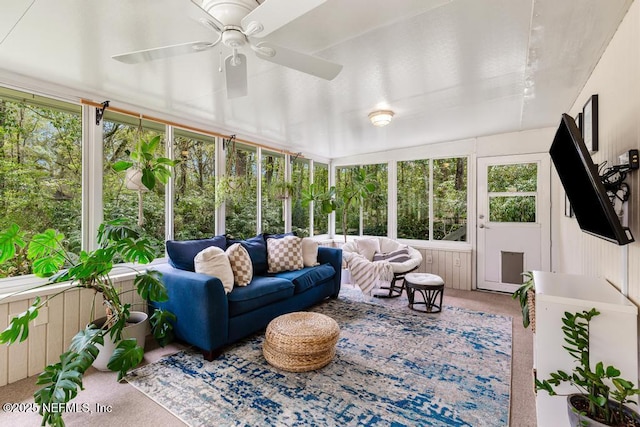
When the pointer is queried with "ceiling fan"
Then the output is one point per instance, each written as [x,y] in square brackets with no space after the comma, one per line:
[240,24]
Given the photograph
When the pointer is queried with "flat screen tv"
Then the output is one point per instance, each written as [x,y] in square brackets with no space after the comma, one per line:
[579,175]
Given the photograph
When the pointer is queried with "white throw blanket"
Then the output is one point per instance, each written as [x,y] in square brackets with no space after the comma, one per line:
[368,275]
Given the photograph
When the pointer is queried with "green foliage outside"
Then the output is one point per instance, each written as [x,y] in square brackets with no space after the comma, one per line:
[517,178]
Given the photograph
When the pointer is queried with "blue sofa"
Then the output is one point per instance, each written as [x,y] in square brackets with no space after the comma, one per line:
[210,319]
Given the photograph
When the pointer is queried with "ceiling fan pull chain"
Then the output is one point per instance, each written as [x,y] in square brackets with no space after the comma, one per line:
[220,63]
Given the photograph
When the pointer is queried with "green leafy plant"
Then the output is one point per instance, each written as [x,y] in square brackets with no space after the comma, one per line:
[144,158]
[118,242]
[350,194]
[595,385]
[522,295]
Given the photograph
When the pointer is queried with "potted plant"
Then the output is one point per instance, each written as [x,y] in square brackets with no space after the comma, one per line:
[144,168]
[118,242]
[350,194]
[603,393]
[526,297]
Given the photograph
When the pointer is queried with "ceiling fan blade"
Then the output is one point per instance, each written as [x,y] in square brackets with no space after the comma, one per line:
[235,71]
[199,14]
[273,14]
[298,61]
[162,52]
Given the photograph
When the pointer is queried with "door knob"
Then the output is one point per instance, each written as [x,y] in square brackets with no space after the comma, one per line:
[481,226]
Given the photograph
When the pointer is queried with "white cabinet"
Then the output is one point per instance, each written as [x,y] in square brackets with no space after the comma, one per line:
[613,334]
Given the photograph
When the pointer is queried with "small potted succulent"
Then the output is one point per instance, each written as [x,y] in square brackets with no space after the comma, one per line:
[118,242]
[602,392]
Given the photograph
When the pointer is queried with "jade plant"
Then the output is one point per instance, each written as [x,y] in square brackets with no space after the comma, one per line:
[118,242]
[603,392]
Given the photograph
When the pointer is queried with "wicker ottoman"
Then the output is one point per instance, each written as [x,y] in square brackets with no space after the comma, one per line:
[301,341]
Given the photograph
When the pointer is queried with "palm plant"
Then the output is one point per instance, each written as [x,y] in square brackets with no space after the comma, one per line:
[118,242]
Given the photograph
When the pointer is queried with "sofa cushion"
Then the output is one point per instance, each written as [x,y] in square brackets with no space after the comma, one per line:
[213,261]
[257,248]
[182,252]
[240,264]
[284,254]
[308,277]
[260,292]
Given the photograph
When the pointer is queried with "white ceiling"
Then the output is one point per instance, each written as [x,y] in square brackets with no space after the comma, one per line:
[450,69]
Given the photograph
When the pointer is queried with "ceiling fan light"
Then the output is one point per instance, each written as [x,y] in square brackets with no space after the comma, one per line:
[381,117]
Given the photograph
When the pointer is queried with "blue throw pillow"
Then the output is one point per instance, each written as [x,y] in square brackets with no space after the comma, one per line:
[257,248]
[276,236]
[182,252]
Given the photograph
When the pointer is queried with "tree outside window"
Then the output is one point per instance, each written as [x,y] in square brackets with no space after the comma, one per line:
[413,199]
[194,185]
[240,191]
[40,169]
[321,179]
[450,199]
[299,214]
[274,192]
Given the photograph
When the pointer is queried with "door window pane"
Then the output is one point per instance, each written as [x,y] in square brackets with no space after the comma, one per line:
[241,186]
[512,208]
[450,199]
[513,178]
[274,192]
[299,215]
[121,134]
[413,199]
[194,189]
[40,169]
[321,178]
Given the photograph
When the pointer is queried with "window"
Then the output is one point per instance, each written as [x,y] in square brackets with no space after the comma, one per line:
[438,216]
[273,193]
[239,188]
[121,134]
[194,185]
[450,199]
[40,169]
[351,219]
[321,179]
[413,199]
[299,215]
[512,192]
[374,207]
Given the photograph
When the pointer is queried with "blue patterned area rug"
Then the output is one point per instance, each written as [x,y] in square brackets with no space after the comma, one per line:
[393,367]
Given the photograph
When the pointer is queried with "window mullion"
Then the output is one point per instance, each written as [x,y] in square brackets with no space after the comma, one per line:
[92,166]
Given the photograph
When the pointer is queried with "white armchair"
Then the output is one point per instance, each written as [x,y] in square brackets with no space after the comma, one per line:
[385,263]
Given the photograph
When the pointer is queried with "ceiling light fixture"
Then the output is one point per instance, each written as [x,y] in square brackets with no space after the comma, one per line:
[381,117]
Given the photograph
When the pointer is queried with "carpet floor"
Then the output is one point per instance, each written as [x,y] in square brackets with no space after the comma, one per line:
[392,367]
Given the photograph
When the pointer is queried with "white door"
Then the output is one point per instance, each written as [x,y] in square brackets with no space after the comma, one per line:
[513,224]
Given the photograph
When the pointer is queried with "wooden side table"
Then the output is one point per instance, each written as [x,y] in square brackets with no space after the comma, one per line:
[430,286]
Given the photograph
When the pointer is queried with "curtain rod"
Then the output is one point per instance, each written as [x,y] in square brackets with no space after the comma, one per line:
[186,127]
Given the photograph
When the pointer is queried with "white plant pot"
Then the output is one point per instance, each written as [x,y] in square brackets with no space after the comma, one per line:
[345,279]
[133,180]
[137,329]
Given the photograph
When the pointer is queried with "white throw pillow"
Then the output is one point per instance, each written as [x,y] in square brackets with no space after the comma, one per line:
[309,252]
[214,262]
[284,254]
[368,247]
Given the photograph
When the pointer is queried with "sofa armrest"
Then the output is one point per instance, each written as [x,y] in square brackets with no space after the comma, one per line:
[200,304]
[332,256]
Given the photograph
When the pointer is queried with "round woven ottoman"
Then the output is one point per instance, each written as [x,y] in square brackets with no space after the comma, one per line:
[301,341]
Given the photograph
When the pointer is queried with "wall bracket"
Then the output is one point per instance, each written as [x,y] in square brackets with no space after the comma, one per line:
[100,111]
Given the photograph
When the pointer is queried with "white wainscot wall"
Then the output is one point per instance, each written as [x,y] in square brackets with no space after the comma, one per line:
[51,333]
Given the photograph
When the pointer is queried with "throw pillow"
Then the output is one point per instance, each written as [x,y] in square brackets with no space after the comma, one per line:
[214,262]
[284,254]
[240,264]
[401,255]
[368,247]
[257,249]
[309,252]
[182,252]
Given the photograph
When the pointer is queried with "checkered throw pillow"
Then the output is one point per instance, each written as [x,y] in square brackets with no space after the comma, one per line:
[240,264]
[284,254]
